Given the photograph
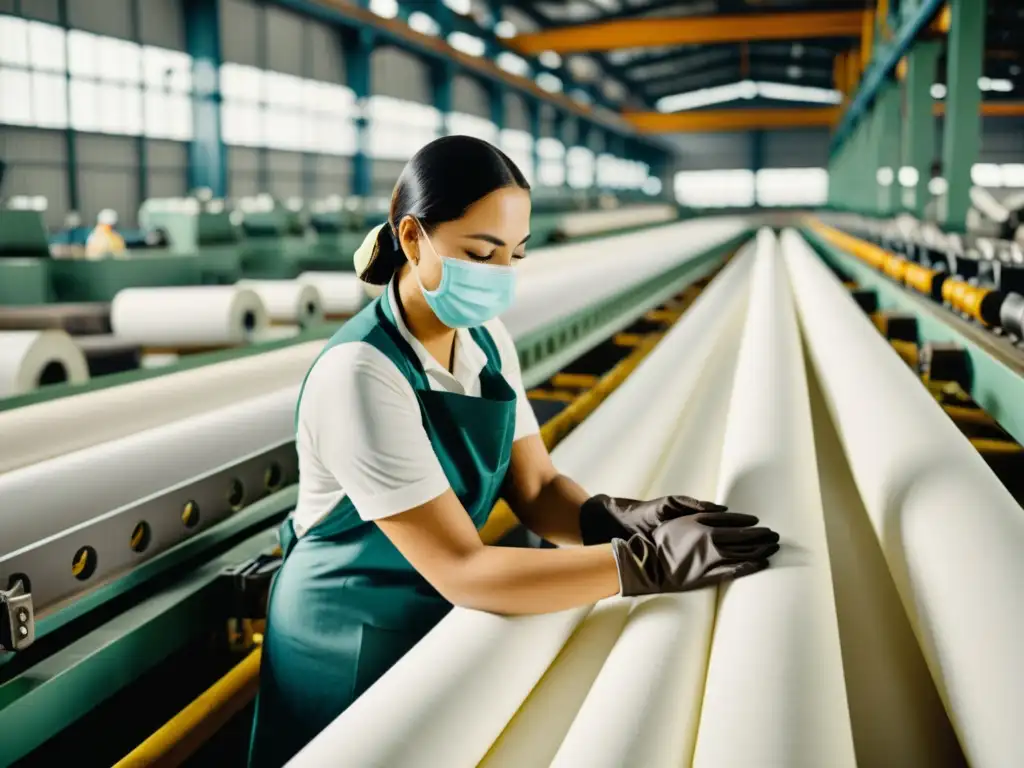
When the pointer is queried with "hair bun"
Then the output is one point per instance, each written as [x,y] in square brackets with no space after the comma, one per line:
[364,253]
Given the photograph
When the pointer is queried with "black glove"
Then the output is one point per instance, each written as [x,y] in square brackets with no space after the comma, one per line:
[693,552]
[603,518]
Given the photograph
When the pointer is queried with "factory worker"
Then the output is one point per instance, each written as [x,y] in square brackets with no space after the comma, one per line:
[103,240]
[410,424]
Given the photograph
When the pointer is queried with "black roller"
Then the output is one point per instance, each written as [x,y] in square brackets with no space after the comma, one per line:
[1011,314]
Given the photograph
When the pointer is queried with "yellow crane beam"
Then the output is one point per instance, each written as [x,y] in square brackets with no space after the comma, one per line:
[712,120]
[687,30]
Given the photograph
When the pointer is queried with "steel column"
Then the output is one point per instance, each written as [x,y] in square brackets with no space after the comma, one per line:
[357,72]
[962,129]
[919,122]
[888,110]
[207,157]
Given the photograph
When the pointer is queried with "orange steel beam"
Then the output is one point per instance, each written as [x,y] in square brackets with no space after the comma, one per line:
[992,108]
[706,121]
[653,32]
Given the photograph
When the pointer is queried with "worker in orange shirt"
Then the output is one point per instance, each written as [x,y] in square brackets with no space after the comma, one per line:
[103,240]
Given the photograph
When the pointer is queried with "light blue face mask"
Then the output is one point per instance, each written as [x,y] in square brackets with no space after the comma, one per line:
[469,293]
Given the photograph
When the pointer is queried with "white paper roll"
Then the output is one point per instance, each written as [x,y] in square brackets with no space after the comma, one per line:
[288,302]
[594,222]
[951,533]
[38,432]
[775,693]
[31,359]
[642,709]
[447,700]
[187,316]
[51,496]
[341,293]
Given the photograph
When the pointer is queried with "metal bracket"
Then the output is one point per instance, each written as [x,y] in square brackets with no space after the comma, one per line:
[17,617]
[250,582]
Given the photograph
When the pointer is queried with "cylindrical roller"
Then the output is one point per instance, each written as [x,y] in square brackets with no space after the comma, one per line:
[51,496]
[187,316]
[982,304]
[32,359]
[1011,314]
[952,535]
[642,709]
[41,431]
[896,268]
[288,302]
[776,663]
[586,223]
[342,293]
[451,696]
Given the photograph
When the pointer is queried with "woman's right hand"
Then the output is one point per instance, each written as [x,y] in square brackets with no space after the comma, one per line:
[693,552]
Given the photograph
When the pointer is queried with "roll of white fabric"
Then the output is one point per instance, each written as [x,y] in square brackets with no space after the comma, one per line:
[31,359]
[594,222]
[341,293]
[187,316]
[51,496]
[447,700]
[775,694]
[38,432]
[950,531]
[288,302]
[643,707]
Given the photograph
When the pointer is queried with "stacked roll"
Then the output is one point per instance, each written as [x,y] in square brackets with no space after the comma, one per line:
[288,302]
[342,293]
[33,359]
[184,317]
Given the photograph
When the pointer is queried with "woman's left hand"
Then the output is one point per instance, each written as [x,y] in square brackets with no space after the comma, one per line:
[603,518]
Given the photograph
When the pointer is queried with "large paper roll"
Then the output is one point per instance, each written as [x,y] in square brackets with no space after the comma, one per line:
[38,432]
[288,302]
[643,707]
[32,359]
[342,293]
[594,222]
[187,316]
[448,699]
[951,534]
[51,496]
[775,693]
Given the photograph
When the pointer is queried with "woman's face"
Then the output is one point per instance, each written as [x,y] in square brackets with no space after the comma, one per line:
[493,230]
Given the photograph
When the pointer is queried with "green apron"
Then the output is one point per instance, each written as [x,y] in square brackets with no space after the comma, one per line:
[345,604]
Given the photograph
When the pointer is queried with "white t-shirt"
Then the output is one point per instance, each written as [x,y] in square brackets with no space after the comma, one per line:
[360,431]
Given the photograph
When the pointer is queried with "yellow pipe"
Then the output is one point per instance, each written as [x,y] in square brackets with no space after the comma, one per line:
[182,735]
[690,30]
[552,395]
[988,446]
[574,380]
[712,120]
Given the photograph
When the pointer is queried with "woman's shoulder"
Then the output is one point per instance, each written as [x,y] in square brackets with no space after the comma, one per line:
[355,367]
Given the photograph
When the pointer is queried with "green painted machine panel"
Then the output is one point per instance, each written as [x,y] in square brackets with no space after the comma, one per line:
[24,281]
[100,280]
[995,386]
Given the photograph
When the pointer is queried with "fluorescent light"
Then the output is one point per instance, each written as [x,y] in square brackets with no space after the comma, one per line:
[986,175]
[938,186]
[995,84]
[459,6]
[505,29]
[387,9]
[1013,175]
[466,43]
[422,23]
[746,89]
[512,63]
[908,176]
[550,59]
[790,92]
[884,177]
[549,82]
[938,91]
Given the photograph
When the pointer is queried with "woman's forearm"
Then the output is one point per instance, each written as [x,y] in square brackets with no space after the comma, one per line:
[554,513]
[509,580]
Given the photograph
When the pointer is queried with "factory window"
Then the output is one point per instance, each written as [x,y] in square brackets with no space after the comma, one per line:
[398,128]
[551,170]
[270,109]
[792,186]
[472,125]
[995,176]
[715,189]
[617,173]
[580,163]
[514,64]
[115,86]
[518,145]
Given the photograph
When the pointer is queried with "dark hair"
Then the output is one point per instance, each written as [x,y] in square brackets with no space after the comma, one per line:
[437,185]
